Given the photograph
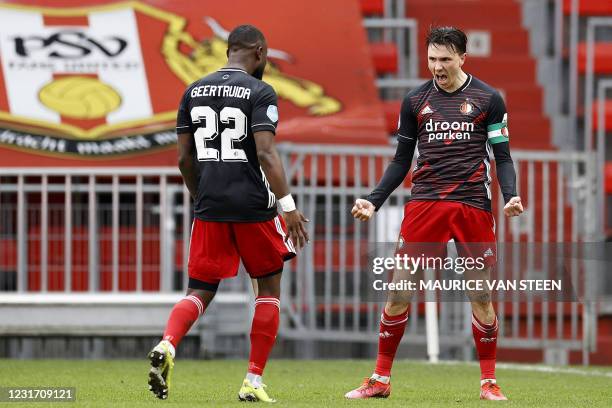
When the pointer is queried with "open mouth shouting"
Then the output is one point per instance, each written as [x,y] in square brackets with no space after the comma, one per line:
[441,79]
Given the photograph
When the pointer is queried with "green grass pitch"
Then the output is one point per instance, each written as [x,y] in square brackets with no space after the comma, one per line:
[319,383]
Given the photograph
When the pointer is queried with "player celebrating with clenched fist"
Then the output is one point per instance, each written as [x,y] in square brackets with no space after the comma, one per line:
[455,120]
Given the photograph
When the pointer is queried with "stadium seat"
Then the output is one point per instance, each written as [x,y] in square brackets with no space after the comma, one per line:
[607,115]
[502,71]
[603,58]
[335,246]
[608,182]
[468,14]
[384,57]
[589,7]
[372,7]
[8,262]
[507,41]
[529,130]
[392,110]
[523,98]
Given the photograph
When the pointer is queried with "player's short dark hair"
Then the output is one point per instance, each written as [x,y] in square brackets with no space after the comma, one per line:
[450,37]
[245,36]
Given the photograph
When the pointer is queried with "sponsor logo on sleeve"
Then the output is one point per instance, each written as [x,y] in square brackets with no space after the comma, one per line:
[272,113]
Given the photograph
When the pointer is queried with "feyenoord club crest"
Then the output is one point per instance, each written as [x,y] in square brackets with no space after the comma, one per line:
[466,107]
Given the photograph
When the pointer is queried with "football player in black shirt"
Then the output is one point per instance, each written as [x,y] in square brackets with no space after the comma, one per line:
[226,124]
[455,120]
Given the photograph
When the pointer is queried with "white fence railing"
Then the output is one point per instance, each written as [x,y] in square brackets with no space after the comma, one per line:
[126,231]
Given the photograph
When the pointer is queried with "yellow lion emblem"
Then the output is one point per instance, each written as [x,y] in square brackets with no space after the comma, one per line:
[210,55]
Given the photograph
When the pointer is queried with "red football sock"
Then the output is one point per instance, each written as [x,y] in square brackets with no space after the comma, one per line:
[485,338]
[391,332]
[263,332]
[184,314]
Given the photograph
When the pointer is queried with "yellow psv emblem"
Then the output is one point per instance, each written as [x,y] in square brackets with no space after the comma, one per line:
[106,76]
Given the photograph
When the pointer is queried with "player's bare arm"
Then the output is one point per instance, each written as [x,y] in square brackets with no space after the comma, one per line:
[394,175]
[273,169]
[186,154]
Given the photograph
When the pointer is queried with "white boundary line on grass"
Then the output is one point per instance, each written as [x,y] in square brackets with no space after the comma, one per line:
[535,368]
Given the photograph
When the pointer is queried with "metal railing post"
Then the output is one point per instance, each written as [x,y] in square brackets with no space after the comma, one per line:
[573,69]
[44,234]
[92,242]
[21,236]
[68,234]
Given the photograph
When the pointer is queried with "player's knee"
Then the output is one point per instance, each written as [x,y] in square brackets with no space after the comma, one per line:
[268,291]
[269,286]
[480,299]
[205,296]
[394,308]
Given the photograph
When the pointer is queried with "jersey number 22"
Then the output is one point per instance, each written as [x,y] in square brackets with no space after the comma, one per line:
[210,131]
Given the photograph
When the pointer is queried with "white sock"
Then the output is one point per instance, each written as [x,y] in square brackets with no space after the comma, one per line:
[170,347]
[254,379]
[381,378]
[486,380]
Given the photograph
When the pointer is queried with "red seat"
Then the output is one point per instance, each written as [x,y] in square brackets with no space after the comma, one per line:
[523,98]
[503,70]
[384,57]
[528,130]
[350,262]
[465,13]
[372,7]
[392,110]
[603,58]
[589,7]
[607,115]
[608,181]
[507,40]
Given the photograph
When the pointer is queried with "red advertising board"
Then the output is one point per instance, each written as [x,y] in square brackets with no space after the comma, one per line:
[90,83]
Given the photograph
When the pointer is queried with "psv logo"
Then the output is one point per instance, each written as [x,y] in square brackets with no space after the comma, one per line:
[107,79]
[67,44]
[87,78]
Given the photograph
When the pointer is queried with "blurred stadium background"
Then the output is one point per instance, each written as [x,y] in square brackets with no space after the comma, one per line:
[95,221]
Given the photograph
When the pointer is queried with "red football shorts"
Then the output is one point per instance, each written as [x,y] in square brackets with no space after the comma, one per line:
[216,249]
[429,224]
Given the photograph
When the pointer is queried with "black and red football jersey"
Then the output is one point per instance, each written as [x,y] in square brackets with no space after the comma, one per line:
[223,110]
[454,133]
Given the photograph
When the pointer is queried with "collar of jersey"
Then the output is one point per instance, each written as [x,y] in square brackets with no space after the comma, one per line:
[455,92]
[232,69]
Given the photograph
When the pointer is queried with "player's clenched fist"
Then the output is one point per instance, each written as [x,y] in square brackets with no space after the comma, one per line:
[363,209]
[514,207]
